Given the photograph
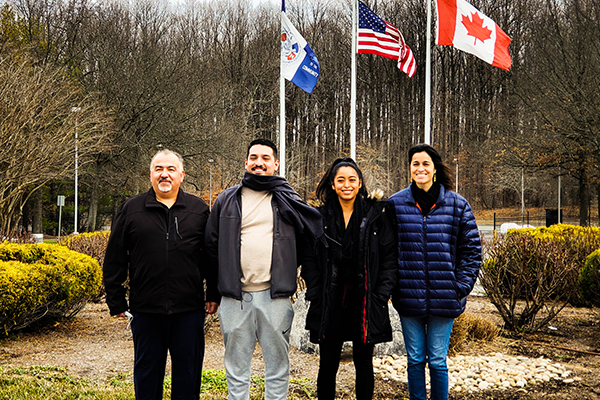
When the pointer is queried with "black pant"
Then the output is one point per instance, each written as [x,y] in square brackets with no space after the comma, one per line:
[329,362]
[182,335]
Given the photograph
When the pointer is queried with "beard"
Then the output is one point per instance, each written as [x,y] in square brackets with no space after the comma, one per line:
[165,186]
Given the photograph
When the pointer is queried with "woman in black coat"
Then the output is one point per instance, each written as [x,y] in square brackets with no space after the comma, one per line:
[350,278]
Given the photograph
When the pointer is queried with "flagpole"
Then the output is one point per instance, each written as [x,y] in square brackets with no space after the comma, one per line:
[281,111]
[353,82]
[282,126]
[428,77]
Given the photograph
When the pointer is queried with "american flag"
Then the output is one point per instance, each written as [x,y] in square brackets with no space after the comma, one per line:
[376,36]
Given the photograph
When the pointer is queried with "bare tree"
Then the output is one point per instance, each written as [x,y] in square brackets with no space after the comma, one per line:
[37,130]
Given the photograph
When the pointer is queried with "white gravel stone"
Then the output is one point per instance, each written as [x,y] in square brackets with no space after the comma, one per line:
[492,371]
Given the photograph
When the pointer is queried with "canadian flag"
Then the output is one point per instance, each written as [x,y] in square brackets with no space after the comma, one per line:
[463,26]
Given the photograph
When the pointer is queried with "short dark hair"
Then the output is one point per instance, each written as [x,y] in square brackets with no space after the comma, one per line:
[442,170]
[263,142]
[324,190]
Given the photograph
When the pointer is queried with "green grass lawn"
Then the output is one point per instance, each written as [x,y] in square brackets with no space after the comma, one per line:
[47,382]
[50,382]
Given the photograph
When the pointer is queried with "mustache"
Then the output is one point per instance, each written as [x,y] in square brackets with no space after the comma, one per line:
[164,180]
[259,167]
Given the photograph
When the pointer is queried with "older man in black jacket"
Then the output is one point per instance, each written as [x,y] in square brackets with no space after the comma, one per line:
[157,242]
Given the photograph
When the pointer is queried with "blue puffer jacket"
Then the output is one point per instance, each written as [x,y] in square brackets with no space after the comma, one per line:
[438,255]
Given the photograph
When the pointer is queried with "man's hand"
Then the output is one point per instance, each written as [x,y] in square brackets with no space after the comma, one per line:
[211,307]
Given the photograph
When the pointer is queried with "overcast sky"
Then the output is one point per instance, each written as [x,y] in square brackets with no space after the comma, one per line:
[274,2]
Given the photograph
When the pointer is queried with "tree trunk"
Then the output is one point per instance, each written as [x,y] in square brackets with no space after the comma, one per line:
[54,195]
[598,195]
[93,211]
[584,199]
[36,224]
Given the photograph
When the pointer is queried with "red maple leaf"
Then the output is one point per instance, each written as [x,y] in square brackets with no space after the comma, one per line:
[475,27]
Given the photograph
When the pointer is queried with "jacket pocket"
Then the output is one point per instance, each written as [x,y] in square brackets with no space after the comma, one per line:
[379,321]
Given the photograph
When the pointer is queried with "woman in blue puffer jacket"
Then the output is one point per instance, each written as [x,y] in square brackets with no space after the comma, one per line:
[439,254]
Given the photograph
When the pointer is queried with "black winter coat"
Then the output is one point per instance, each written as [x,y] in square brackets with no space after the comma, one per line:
[377,274]
[160,250]
[223,233]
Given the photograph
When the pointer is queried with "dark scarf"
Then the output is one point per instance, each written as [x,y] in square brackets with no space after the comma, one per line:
[345,238]
[425,200]
[304,218]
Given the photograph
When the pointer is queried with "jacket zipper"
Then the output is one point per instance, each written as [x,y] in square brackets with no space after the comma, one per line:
[168,224]
[426,261]
[365,255]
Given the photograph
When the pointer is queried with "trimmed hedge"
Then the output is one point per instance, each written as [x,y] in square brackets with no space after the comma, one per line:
[43,281]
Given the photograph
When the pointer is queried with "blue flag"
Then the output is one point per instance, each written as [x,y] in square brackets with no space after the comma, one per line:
[299,64]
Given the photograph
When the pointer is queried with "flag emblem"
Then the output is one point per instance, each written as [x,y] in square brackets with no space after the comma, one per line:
[475,28]
[289,48]
[463,26]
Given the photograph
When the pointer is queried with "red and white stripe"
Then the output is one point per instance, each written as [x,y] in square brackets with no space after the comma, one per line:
[390,45]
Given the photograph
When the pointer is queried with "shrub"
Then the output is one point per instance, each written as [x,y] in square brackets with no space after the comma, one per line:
[92,244]
[527,272]
[469,327]
[16,236]
[579,242]
[589,280]
[43,281]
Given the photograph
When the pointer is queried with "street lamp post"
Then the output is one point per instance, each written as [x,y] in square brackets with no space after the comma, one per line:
[522,195]
[456,161]
[559,190]
[210,163]
[76,109]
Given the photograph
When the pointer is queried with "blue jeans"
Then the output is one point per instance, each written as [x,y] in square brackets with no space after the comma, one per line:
[426,340]
[182,336]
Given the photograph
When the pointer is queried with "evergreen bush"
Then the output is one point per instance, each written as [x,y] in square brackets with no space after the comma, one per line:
[589,280]
[43,281]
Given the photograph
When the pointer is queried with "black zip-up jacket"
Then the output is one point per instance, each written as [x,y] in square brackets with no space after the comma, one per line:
[377,272]
[161,251]
[223,233]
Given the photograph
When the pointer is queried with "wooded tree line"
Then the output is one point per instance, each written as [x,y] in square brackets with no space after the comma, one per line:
[203,79]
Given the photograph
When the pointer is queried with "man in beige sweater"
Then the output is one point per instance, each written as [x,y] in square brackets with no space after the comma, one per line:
[254,236]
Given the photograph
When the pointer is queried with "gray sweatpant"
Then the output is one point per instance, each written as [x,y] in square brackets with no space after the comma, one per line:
[257,316]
